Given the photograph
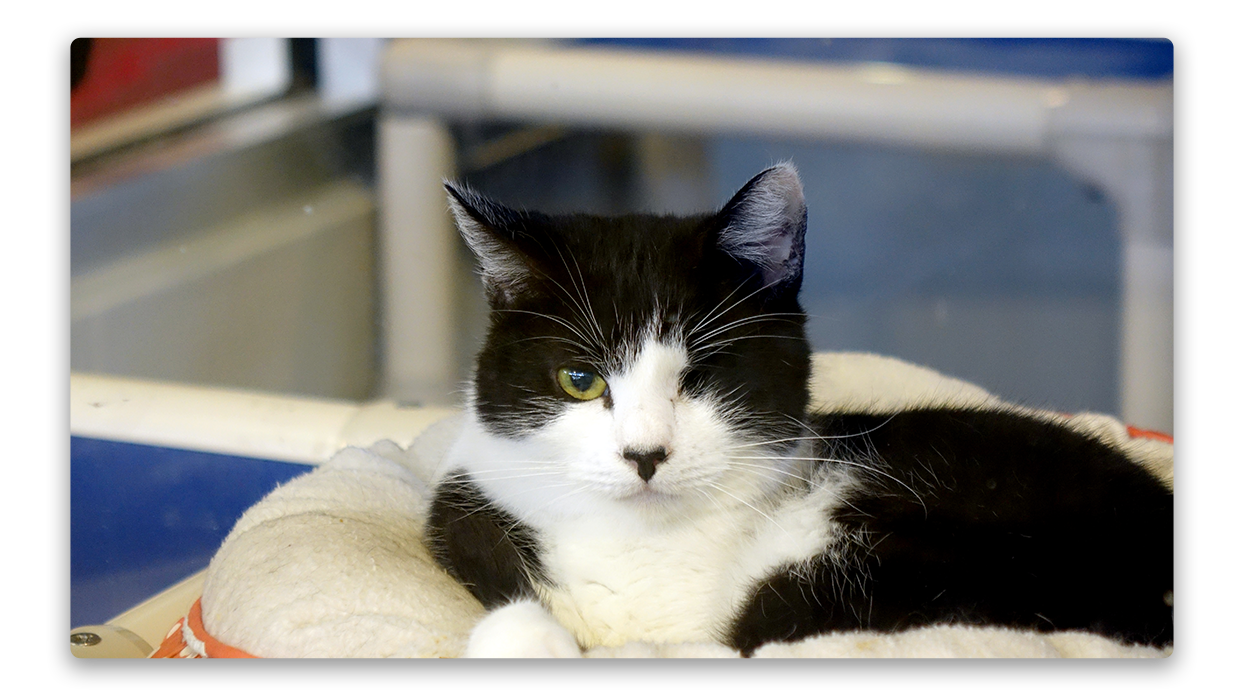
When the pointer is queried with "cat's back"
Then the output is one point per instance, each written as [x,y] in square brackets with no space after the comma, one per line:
[985,516]
[988,464]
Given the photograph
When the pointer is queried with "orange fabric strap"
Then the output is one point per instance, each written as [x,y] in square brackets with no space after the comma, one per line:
[177,646]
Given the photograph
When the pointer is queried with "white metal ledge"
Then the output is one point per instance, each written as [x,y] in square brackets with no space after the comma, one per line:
[236,422]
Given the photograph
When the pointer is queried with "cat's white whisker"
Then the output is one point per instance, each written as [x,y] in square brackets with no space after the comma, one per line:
[707,350]
[710,316]
[581,302]
[591,313]
[719,488]
[781,475]
[553,318]
[743,322]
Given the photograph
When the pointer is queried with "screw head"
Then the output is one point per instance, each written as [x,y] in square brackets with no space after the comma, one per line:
[84,639]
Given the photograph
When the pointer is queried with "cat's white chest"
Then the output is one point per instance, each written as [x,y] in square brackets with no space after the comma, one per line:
[676,585]
[614,583]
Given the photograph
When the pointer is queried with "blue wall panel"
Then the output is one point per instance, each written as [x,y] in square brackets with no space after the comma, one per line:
[1145,59]
[144,517]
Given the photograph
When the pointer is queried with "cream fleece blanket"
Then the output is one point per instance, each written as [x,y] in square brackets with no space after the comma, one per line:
[332,564]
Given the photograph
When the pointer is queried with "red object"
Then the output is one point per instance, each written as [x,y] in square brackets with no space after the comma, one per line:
[200,644]
[1149,434]
[124,73]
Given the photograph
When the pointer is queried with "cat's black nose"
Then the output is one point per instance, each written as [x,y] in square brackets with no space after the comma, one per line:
[646,461]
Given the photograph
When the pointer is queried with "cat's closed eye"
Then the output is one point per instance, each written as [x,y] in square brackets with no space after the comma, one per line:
[581,383]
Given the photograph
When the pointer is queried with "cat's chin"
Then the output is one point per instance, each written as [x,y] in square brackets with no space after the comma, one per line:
[650,497]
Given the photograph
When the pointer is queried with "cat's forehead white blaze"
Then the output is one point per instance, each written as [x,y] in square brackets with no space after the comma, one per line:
[644,395]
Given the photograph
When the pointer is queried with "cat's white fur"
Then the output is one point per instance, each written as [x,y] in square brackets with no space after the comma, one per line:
[523,629]
[670,560]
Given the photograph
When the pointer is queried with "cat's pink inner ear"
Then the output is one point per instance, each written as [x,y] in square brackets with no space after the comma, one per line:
[766,223]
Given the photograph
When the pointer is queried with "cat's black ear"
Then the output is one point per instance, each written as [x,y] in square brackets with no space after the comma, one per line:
[489,229]
[764,226]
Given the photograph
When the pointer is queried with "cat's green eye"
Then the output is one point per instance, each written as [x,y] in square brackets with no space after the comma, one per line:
[581,384]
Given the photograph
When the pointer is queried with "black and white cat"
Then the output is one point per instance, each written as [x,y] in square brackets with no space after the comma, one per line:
[639,462]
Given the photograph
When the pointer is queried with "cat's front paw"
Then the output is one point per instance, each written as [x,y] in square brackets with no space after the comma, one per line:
[521,629]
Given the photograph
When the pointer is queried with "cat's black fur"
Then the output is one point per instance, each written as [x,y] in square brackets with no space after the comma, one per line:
[985,518]
[482,546]
[974,516]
